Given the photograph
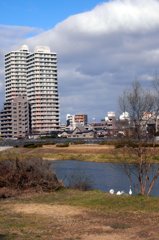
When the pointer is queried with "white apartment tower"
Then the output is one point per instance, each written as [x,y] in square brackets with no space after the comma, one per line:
[33,76]
[42,90]
[15,73]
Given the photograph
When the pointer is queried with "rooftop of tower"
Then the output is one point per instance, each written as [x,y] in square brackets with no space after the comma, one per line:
[24,48]
[41,49]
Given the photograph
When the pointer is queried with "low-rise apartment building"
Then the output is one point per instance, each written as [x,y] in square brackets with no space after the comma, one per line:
[14,118]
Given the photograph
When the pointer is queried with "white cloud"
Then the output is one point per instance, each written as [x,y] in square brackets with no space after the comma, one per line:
[11,36]
[117,15]
[101,51]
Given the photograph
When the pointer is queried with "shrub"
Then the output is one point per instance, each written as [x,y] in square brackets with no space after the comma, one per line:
[54,135]
[33,145]
[27,174]
[134,144]
[62,145]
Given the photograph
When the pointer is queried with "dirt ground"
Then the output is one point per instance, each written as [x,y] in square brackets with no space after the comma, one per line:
[74,223]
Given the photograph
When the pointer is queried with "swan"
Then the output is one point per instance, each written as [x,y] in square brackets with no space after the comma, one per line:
[130,191]
[119,193]
[122,192]
[111,191]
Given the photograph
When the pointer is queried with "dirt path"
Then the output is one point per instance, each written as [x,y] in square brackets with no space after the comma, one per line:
[74,223]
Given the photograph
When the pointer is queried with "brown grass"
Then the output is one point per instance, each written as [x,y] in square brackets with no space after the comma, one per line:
[79,152]
[83,152]
[25,219]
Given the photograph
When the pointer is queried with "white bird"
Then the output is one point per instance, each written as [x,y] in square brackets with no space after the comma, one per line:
[118,193]
[130,191]
[111,191]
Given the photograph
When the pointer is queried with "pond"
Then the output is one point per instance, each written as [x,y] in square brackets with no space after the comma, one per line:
[100,176]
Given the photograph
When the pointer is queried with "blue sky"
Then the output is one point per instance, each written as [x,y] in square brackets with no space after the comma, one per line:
[41,13]
[102,46]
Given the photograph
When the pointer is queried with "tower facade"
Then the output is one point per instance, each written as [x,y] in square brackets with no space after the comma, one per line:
[42,90]
[15,73]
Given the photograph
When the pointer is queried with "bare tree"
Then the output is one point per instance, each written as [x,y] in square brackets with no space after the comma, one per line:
[142,106]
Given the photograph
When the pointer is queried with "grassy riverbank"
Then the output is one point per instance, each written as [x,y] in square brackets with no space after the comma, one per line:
[76,215]
[82,152]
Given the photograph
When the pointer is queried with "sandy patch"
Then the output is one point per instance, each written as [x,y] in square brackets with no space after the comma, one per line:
[49,210]
[105,237]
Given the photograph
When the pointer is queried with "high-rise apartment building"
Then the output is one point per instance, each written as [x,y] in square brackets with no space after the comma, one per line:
[15,73]
[42,90]
[33,76]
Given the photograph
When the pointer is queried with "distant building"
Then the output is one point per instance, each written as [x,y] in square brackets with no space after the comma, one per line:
[16,73]
[78,132]
[81,119]
[15,118]
[72,121]
[81,132]
[124,116]
[34,77]
[110,119]
[42,90]
[69,120]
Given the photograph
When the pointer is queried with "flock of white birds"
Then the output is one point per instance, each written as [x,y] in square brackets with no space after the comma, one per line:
[112,191]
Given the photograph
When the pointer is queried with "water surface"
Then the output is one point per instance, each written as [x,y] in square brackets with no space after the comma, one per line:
[101,176]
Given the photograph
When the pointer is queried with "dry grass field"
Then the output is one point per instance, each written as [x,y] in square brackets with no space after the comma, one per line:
[75,215]
[83,152]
